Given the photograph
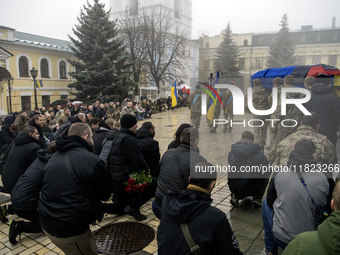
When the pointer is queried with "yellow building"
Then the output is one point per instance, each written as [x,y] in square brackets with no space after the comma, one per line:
[19,53]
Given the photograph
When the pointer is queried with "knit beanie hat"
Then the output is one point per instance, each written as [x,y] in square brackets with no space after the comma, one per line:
[127,121]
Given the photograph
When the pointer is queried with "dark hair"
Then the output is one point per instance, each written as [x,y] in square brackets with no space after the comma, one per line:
[36,117]
[51,148]
[94,120]
[309,80]
[248,135]
[189,135]
[289,79]
[13,128]
[29,130]
[305,145]
[90,113]
[278,81]
[311,120]
[323,78]
[147,125]
[257,82]
[205,177]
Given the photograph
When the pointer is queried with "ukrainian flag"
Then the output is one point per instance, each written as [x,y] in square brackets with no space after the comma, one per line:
[212,105]
[174,95]
[38,84]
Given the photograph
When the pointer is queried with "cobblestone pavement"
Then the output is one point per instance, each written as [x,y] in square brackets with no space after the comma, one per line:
[213,146]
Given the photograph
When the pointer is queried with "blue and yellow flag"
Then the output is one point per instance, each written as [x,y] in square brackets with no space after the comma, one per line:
[38,84]
[174,95]
[212,104]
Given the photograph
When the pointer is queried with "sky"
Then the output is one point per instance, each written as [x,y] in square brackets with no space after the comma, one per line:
[56,18]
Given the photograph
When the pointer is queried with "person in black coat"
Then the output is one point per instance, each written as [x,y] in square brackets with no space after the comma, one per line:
[325,103]
[7,135]
[176,166]
[126,158]
[100,133]
[246,153]
[177,142]
[208,226]
[149,147]
[100,112]
[37,122]
[25,196]
[107,142]
[21,156]
[75,182]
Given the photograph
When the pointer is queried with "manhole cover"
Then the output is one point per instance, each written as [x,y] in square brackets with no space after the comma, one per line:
[169,126]
[124,237]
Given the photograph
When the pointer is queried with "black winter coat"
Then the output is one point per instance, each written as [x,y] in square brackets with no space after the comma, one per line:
[208,226]
[6,137]
[41,134]
[175,170]
[98,136]
[25,194]
[150,150]
[21,156]
[125,156]
[101,113]
[246,153]
[325,103]
[63,207]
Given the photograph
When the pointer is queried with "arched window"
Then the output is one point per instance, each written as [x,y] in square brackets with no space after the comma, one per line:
[245,42]
[44,68]
[62,69]
[23,67]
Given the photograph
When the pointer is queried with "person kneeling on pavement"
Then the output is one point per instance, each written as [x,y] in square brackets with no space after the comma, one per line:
[189,222]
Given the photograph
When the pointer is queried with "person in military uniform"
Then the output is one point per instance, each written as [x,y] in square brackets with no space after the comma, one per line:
[309,82]
[128,109]
[292,113]
[217,113]
[117,110]
[277,83]
[227,106]
[325,151]
[260,102]
[110,110]
[195,106]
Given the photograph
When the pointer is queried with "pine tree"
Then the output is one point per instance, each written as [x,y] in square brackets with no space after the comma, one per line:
[282,50]
[227,55]
[101,65]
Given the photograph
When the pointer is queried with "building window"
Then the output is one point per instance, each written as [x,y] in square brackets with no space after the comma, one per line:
[334,37]
[23,67]
[317,37]
[301,60]
[241,63]
[62,70]
[245,42]
[26,103]
[260,40]
[259,63]
[133,7]
[45,101]
[63,96]
[316,59]
[332,60]
[207,45]
[44,68]
[303,38]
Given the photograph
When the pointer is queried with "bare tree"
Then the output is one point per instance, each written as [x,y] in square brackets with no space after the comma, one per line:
[131,32]
[155,45]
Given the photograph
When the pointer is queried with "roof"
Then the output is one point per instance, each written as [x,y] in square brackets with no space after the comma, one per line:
[41,41]
[6,27]
[6,51]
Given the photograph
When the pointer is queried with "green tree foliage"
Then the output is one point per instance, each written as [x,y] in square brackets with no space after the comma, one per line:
[101,64]
[227,55]
[282,49]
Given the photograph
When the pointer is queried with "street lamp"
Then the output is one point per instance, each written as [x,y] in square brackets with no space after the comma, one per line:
[34,73]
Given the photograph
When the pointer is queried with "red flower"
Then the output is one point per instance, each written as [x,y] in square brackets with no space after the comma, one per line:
[131,182]
[145,185]
[140,188]
[128,189]
[134,188]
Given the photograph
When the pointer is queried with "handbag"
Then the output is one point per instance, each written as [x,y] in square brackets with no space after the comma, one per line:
[319,213]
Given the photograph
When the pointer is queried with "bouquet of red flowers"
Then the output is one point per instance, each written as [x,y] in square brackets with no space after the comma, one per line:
[138,182]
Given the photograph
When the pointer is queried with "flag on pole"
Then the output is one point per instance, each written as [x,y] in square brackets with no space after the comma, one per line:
[212,104]
[174,95]
[38,84]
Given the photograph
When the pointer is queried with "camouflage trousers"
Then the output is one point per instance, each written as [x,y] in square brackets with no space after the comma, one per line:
[281,134]
[229,117]
[260,132]
[195,119]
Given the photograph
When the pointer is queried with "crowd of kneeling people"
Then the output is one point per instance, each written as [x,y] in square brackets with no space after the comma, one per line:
[58,182]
